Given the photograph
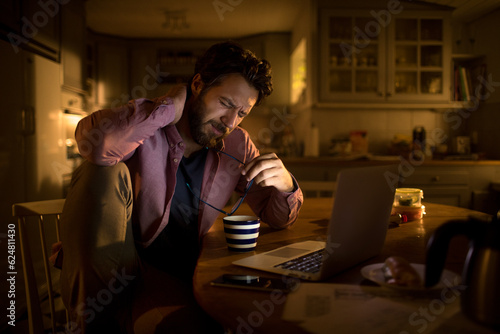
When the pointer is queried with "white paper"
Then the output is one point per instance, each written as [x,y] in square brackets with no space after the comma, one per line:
[327,308]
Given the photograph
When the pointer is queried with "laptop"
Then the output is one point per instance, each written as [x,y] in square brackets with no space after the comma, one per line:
[356,231]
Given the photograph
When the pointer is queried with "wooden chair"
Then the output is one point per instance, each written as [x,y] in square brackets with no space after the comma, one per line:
[37,293]
[318,188]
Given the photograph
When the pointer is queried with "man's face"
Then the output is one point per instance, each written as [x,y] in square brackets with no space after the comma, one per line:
[216,111]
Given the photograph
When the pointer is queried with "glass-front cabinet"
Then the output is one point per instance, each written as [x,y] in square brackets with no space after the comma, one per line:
[352,60]
[364,59]
[419,57]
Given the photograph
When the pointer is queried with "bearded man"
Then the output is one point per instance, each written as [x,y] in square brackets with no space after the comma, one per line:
[157,173]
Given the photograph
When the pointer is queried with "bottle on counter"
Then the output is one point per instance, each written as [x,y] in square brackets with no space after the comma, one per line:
[419,147]
[312,142]
[419,138]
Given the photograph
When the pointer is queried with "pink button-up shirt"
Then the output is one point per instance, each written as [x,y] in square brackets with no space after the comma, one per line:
[141,134]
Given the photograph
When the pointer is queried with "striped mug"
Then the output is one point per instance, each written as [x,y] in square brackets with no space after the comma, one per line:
[241,232]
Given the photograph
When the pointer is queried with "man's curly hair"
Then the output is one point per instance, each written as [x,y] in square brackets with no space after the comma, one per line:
[227,58]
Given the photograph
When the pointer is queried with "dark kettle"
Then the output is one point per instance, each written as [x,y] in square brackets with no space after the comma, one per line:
[480,297]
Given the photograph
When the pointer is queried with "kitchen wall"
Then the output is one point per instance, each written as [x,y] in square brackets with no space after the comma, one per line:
[381,125]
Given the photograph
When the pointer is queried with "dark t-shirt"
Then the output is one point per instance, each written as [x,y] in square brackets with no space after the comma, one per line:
[176,249]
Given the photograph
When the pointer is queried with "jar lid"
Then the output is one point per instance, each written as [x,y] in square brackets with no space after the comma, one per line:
[409,190]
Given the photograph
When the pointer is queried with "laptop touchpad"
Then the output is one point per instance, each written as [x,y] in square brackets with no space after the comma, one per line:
[288,252]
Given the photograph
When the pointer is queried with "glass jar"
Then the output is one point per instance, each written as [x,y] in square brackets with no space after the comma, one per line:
[408,197]
[408,203]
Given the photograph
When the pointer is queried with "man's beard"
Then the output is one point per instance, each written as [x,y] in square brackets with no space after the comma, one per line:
[196,124]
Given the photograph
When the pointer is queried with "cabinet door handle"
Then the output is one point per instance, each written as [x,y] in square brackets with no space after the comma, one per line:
[28,121]
[436,178]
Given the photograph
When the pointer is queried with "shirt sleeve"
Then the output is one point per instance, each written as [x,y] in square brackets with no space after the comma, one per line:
[277,209]
[109,136]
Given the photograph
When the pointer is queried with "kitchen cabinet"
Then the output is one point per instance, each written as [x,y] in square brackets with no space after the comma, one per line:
[45,23]
[10,12]
[405,59]
[147,80]
[275,48]
[73,42]
[459,183]
[158,65]
[177,65]
[112,73]
[353,66]
[450,185]
[32,25]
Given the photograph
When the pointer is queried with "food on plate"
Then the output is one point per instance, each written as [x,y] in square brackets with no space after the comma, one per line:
[400,272]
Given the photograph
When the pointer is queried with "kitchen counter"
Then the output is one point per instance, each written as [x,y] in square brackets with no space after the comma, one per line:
[465,183]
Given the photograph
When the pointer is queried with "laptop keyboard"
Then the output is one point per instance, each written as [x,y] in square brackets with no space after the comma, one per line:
[309,263]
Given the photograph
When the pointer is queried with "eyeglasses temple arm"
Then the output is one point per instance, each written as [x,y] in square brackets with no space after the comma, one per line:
[210,205]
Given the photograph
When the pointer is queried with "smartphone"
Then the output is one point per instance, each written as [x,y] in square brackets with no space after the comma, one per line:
[256,282]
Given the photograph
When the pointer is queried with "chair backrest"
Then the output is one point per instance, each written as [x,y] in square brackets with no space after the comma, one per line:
[318,188]
[36,291]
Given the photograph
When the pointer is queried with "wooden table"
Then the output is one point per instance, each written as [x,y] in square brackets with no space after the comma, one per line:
[235,308]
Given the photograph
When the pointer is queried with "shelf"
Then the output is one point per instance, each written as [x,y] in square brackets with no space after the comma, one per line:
[394,106]
[466,70]
[413,69]
[341,67]
[466,56]
[366,68]
[431,69]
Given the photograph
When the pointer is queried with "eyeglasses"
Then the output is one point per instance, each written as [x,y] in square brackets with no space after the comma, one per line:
[237,205]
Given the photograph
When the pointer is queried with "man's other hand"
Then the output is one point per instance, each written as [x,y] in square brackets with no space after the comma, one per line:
[268,170]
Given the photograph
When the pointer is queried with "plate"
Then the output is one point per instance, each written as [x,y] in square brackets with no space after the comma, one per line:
[375,273]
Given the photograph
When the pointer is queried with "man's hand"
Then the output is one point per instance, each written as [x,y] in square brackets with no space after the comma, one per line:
[178,94]
[268,170]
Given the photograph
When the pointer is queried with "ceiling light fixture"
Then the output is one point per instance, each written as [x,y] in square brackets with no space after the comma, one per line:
[175,20]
